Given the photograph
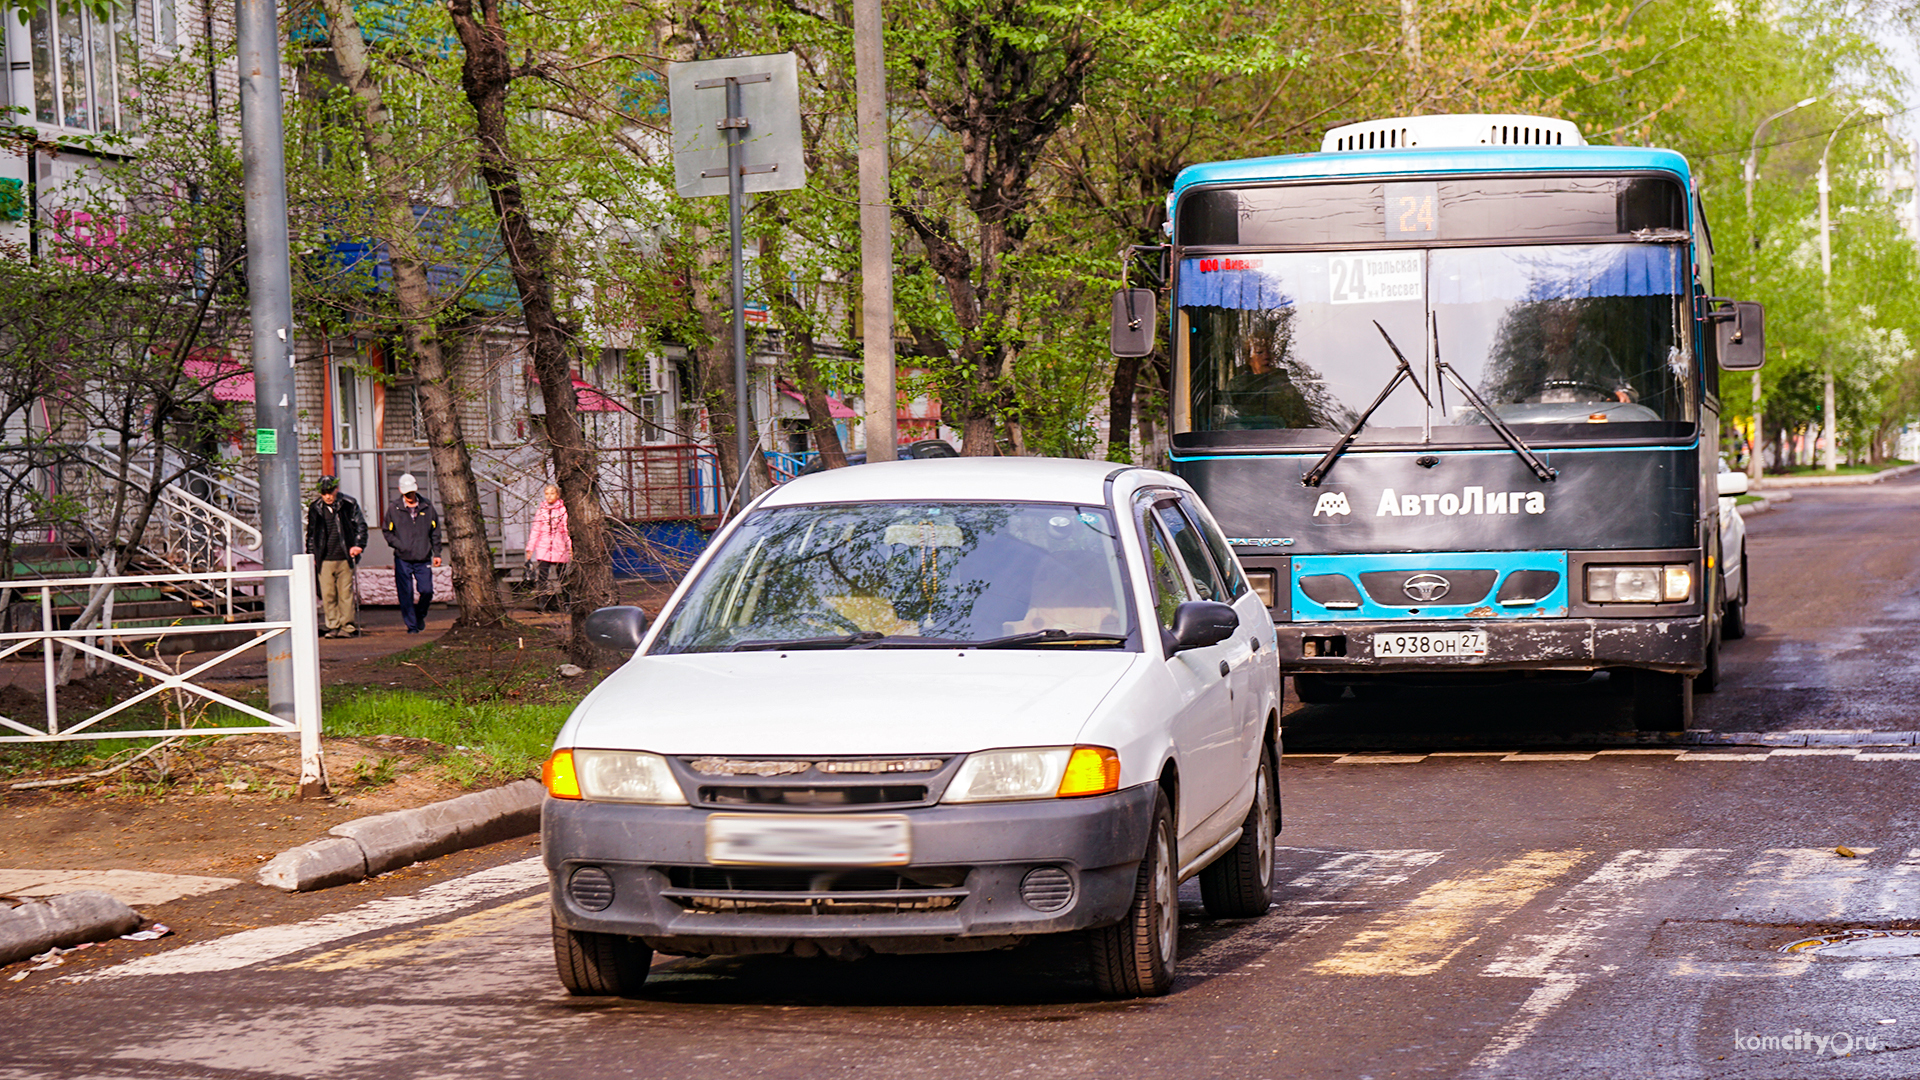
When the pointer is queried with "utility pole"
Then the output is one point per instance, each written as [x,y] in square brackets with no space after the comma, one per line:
[1826,288]
[270,293]
[1757,468]
[876,232]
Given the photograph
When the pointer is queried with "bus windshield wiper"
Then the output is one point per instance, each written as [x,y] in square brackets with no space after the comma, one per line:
[1404,371]
[1540,468]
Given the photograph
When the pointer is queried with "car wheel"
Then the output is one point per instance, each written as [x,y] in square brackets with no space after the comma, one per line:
[1239,884]
[1733,623]
[1316,689]
[1134,957]
[1662,701]
[607,965]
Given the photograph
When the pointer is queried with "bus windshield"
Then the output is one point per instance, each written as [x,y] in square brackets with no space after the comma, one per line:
[1546,334]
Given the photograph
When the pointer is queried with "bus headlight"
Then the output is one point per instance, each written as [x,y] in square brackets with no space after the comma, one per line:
[1671,584]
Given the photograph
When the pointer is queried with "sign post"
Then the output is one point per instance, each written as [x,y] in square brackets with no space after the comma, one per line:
[745,138]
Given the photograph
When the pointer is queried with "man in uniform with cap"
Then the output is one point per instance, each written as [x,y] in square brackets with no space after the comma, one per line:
[412,530]
[336,534]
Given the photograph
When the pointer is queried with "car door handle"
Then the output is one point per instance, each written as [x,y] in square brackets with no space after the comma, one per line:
[1225,668]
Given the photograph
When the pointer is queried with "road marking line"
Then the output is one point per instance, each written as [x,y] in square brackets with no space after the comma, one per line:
[1694,755]
[1671,751]
[1437,925]
[1545,998]
[272,942]
[1356,875]
[1909,756]
[1380,759]
[1816,751]
[404,943]
[1530,755]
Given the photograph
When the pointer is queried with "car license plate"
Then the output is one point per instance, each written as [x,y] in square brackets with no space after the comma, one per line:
[808,840]
[1452,643]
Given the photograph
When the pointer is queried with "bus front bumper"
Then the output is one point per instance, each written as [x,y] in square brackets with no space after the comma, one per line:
[1676,644]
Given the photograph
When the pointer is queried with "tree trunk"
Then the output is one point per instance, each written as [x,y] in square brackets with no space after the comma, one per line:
[473,578]
[486,73]
[1126,371]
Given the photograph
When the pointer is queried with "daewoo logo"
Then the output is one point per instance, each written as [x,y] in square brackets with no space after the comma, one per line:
[1426,587]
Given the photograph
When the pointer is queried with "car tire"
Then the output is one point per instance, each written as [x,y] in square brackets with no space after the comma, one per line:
[1239,884]
[600,965]
[1733,623]
[1316,689]
[1709,679]
[1662,701]
[1135,956]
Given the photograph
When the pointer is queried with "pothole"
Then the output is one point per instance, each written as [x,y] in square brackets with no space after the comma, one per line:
[1859,945]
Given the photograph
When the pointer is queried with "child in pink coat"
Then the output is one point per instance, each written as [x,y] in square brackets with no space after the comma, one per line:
[549,548]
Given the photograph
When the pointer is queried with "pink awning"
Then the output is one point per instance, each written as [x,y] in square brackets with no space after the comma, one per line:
[835,407]
[230,380]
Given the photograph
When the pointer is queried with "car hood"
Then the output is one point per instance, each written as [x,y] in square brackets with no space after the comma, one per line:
[871,701]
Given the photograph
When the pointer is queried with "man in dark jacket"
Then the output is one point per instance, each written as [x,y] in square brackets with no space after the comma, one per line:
[336,534]
[412,530]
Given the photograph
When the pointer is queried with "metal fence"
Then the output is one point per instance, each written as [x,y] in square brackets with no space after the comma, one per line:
[114,644]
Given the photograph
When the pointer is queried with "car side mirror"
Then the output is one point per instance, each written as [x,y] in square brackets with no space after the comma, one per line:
[1741,336]
[617,629]
[1133,319]
[1733,483]
[1200,623]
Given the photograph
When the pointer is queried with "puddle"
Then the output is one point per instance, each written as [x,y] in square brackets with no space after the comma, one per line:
[1859,945]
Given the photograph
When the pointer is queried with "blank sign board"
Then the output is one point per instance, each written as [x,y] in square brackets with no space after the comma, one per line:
[771,147]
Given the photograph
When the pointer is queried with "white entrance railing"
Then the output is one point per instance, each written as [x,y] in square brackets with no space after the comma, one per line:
[302,632]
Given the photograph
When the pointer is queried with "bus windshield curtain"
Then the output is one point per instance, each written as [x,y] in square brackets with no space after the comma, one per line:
[1456,276]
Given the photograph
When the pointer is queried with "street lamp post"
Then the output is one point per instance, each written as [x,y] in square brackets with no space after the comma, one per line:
[1757,467]
[1826,289]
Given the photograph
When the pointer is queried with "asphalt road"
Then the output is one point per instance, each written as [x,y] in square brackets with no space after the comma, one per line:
[1578,911]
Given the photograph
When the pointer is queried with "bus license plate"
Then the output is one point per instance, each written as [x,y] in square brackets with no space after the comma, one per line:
[808,839]
[1452,643]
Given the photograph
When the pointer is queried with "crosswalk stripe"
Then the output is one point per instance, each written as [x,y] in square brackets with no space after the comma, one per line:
[272,942]
[1431,929]
[402,946]
[1609,898]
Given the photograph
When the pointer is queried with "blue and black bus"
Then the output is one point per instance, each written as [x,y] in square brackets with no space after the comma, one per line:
[1451,387]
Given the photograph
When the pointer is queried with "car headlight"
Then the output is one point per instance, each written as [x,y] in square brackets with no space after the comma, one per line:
[1639,584]
[1041,772]
[628,776]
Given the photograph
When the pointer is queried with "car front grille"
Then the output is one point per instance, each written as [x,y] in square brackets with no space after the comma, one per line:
[771,891]
[812,784]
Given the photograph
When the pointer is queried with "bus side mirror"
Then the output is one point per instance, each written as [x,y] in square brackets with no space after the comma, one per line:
[1133,318]
[1742,337]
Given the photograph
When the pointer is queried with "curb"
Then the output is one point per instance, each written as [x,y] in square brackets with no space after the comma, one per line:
[1836,481]
[368,846]
[60,921]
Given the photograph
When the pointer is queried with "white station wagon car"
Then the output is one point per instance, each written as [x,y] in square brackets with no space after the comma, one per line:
[930,706]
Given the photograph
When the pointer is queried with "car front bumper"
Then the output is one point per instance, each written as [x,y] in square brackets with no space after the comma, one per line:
[982,876]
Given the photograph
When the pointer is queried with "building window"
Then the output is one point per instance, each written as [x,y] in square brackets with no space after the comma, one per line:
[83,67]
[506,394]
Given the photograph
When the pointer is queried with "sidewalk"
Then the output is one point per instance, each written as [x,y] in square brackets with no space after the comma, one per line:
[1770,483]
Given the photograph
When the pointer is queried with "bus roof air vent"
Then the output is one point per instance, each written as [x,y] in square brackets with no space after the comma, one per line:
[1452,130]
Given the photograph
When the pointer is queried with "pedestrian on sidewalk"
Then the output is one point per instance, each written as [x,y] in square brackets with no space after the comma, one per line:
[412,530]
[336,535]
[549,549]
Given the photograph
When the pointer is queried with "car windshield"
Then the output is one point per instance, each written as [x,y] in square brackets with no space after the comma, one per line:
[1546,334]
[894,574]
